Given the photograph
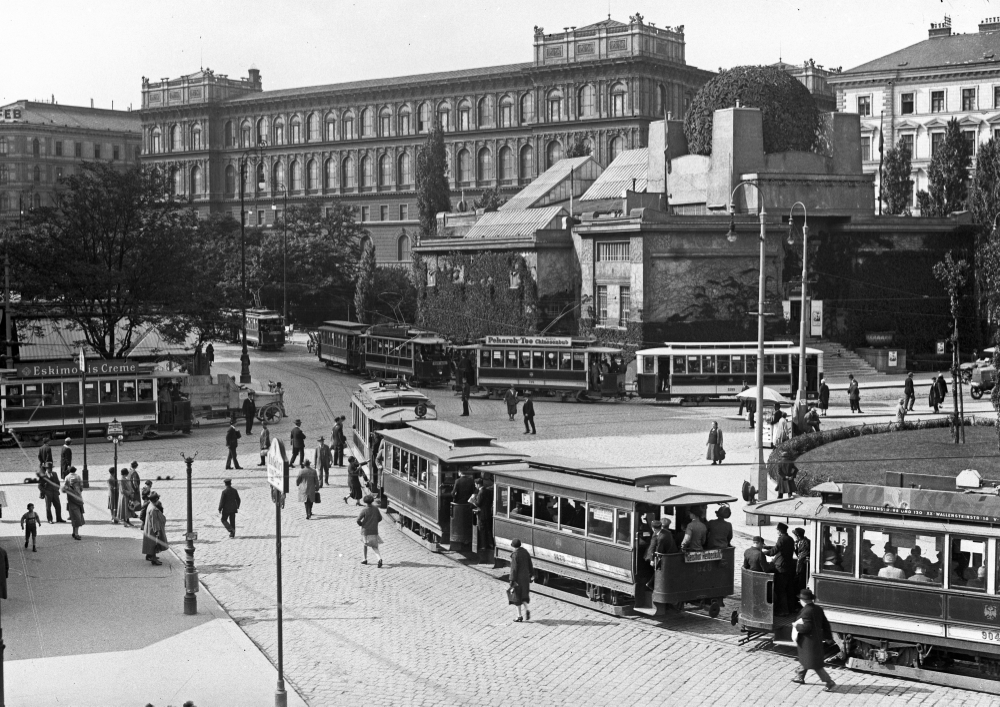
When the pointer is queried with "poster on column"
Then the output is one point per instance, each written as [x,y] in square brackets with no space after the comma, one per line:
[816,317]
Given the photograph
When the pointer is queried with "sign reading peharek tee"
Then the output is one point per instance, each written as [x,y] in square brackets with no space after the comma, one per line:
[529,341]
[277,466]
[59,369]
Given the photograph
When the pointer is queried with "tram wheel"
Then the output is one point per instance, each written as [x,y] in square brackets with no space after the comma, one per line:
[714,609]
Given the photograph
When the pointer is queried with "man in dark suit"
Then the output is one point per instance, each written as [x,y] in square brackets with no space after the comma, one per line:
[298,445]
[249,411]
[783,552]
[910,395]
[339,441]
[754,558]
[232,440]
[229,504]
[528,409]
[48,486]
[44,454]
[942,389]
[813,629]
[465,399]
[65,459]
[484,514]
[322,462]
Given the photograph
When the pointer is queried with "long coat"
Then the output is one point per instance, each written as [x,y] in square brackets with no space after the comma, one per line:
[113,495]
[154,530]
[73,486]
[932,396]
[65,460]
[229,502]
[510,397]
[942,389]
[520,574]
[125,494]
[714,451]
[265,439]
[44,454]
[307,481]
[824,396]
[815,628]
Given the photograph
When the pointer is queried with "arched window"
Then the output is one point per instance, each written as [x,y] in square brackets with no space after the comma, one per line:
[444,116]
[331,127]
[279,131]
[295,172]
[330,178]
[403,248]
[586,101]
[196,186]
[245,133]
[260,184]
[618,100]
[385,122]
[404,120]
[615,147]
[365,243]
[229,134]
[36,147]
[553,105]
[553,153]
[156,141]
[464,115]
[295,130]
[176,181]
[196,137]
[527,162]
[484,165]
[36,174]
[505,165]
[230,180]
[464,167]
[349,178]
[312,127]
[506,112]
[278,176]
[347,131]
[384,171]
[261,131]
[527,108]
[312,175]
[367,178]
[367,123]
[484,112]
[423,118]
[175,138]
[405,173]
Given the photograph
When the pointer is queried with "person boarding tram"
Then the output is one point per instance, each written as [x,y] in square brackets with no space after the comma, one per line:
[754,558]
[720,530]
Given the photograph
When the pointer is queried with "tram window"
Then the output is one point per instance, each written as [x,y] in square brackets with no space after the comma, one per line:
[395,460]
[678,364]
[512,359]
[108,391]
[484,358]
[52,392]
[32,395]
[908,552]
[538,360]
[90,392]
[497,359]
[838,549]
[751,364]
[126,391]
[71,393]
[600,522]
[551,360]
[14,393]
[525,359]
[579,362]
[145,389]
[572,515]
[647,364]
[502,496]
[432,476]
[623,527]
[421,469]
[738,365]
[694,364]
[565,361]
[967,565]
[723,364]
[781,364]
[520,504]
[708,364]
[546,509]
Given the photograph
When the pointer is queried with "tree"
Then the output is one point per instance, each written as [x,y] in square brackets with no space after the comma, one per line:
[984,203]
[433,193]
[897,186]
[490,200]
[948,175]
[952,274]
[580,148]
[112,256]
[365,301]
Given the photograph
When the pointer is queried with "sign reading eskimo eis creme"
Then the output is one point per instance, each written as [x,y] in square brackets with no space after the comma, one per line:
[65,369]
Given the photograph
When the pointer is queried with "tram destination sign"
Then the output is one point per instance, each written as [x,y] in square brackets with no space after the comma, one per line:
[562,341]
[64,369]
[703,556]
[923,503]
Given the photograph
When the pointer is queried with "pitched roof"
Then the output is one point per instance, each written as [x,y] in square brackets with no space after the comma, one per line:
[603,23]
[955,50]
[515,223]
[546,186]
[629,165]
[78,117]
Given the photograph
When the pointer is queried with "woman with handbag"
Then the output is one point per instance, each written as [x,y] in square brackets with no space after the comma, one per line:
[519,592]
[354,480]
[715,452]
[125,513]
[368,519]
[308,482]
[154,531]
[113,495]
[73,488]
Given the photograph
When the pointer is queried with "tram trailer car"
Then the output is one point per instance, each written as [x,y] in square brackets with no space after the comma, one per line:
[590,523]
[549,365]
[265,329]
[422,461]
[46,399]
[697,372]
[400,350]
[340,344]
[934,616]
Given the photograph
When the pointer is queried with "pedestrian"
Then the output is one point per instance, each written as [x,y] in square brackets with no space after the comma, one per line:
[510,397]
[812,630]
[942,390]
[465,399]
[783,552]
[354,480]
[824,396]
[265,443]
[909,394]
[48,487]
[73,488]
[232,441]
[368,519]
[901,413]
[136,482]
[464,488]
[743,401]
[853,394]
[307,481]
[210,352]
[339,441]
[528,410]
[229,504]
[249,412]
[44,454]
[932,396]
[752,408]
[298,445]
[113,494]
[483,502]
[65,458]
[521,570]
[787,471]
[715,451]
[125,494]
[154,531]
[29,524]
[143,503]
[323,457]
[803,548]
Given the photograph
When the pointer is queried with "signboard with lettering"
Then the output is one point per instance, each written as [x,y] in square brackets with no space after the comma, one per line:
[277,466]
[66,369]
[703,556]
[10,115]
[923,503]
[564,341]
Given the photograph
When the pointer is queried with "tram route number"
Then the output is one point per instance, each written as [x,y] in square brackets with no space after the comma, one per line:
[704,556]
[991,636]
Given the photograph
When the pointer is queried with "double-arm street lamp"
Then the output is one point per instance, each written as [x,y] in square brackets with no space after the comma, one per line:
[252,153]
[284,251]
[804,318]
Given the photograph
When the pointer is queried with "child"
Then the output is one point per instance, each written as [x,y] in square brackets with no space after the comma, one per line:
[29,523]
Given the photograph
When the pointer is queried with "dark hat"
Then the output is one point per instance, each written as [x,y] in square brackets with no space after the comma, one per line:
[49,464]
[134,464]
[515,543]
[153,496]
[298,422]
[782,528]
[807,594]
[321,439]
[800,532]
[656,524]
[758,539]
[227,482]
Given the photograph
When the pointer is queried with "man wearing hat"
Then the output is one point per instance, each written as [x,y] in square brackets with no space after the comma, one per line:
[322,460]
[298,445]
[813,629]
[662,543]
[48,487]
[133,476]
[229,504]
[265,443]
[910,395]
[65,459]
[249,411]
[338,440]
[783,552]
[44,454]
[232,441]
[754,558]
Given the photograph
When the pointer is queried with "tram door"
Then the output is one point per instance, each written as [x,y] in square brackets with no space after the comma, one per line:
[812,375]
[663,372]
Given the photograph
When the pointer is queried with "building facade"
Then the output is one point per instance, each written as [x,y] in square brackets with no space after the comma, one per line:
[42,142]
[909,96]
[356,143]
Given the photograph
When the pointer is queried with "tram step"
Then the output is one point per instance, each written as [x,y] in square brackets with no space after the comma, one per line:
[964,682]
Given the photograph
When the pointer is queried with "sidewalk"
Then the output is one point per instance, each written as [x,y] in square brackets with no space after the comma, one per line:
[91,623]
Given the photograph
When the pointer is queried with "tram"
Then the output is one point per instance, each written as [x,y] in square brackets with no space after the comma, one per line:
[265,328]
[400,350]
[701,371]
[340,344]
[46,399]
[587,524]
[930,611]
[552,365]
[382,405]
[422,461]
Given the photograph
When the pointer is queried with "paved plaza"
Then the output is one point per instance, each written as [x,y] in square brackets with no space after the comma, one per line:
[425,629]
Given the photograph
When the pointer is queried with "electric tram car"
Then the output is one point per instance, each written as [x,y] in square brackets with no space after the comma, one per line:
[551,365]
[340,344]
[47,399]
[701,371]
[400,350]
[588,524]
[931,611]
[421,463]
[265,328]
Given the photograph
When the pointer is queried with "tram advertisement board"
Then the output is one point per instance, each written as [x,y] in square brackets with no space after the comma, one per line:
[922,503]
[703,556]
[564,341]
[277,466]
[65,369]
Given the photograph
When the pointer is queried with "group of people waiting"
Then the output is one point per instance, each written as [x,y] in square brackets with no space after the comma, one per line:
[129,497]
[790,566]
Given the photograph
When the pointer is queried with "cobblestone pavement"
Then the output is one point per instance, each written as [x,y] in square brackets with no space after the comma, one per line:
[426,630]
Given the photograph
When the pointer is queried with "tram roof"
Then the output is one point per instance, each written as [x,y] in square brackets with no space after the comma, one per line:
[389,394]
[452,433]
[485,453]
[722,349]
[343,324]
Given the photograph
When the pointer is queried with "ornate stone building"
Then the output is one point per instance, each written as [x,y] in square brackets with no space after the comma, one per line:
[355,142]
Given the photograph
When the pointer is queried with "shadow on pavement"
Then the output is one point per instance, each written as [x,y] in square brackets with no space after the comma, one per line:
[218,569]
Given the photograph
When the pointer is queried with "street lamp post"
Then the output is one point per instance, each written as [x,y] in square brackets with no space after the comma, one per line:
[244,164]
[190,573]
[804,318]
[731,236]
[284,251]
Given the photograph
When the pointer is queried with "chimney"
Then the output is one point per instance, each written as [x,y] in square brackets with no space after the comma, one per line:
[990,24]
[254,76]
[91,102]
[940,29]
